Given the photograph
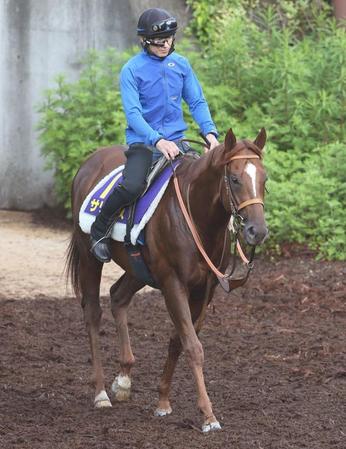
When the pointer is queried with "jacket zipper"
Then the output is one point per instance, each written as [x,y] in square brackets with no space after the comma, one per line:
[165,97]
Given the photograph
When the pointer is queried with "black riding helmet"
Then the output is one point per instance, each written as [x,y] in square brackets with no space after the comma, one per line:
[156,22]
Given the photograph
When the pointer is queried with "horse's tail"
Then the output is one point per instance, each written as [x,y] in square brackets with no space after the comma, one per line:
[72,264]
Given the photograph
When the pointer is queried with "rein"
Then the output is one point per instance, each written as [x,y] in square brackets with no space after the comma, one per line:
[195,141]
[225,280]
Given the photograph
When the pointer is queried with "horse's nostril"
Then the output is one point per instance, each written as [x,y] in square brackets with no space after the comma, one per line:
[251,230]
[255,234]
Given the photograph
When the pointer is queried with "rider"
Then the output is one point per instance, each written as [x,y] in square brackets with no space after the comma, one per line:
[152,84]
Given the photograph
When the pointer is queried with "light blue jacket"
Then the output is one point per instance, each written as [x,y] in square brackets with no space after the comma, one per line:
[152,90]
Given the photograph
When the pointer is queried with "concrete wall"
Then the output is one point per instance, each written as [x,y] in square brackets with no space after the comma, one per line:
[340,10]
[38,40]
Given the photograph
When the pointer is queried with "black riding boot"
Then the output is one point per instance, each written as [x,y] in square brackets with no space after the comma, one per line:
[101,229]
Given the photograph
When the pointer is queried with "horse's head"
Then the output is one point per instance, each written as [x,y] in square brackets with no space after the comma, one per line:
[243,186]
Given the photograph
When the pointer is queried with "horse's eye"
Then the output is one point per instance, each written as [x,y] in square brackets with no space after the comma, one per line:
[234,179]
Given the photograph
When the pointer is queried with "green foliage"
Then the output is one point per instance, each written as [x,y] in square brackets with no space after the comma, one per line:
[308,206]
[300,16]
[77,118]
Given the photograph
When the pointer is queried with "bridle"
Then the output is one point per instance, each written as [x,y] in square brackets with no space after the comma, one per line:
[237,221]
[236,224]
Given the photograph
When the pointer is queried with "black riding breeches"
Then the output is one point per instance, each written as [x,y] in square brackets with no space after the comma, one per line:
[137,167]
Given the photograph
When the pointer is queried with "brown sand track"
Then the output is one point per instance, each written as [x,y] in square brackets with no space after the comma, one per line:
[275,357]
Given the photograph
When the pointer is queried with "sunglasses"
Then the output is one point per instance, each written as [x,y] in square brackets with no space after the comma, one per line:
[160,42]
[165,25]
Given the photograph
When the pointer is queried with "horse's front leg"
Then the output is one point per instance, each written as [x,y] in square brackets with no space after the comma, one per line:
[90,276]
[197,309]
[177,302]
[121,294]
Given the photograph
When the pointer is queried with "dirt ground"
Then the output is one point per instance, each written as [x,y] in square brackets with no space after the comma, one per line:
[32,259]
[274,356]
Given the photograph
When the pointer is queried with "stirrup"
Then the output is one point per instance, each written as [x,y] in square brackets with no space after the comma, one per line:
[100,249]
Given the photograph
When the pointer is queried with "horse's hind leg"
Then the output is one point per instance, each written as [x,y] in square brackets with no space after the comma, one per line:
[90,277]
[121,294]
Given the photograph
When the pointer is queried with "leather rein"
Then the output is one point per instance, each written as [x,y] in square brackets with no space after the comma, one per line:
[236,223]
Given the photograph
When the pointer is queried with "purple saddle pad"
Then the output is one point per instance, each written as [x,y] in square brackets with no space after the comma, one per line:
[95,203]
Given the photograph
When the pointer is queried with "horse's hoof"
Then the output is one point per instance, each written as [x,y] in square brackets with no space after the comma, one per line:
[102,400]
[163,411]
[121,387]
[103,404]
[208,427]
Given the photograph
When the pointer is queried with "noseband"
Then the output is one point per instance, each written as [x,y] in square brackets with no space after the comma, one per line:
[232,201]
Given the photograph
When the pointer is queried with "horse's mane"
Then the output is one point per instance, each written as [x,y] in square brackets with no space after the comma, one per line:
[195,167]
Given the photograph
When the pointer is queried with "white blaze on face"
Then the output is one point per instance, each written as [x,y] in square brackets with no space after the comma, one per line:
[250,170]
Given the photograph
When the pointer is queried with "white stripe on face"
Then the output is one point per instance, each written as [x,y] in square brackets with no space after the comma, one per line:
[250,170]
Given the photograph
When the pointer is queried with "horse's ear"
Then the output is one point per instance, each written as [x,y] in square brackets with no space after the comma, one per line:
[230,140]
[260,140]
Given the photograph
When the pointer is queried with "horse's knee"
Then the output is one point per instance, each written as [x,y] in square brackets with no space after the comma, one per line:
[121,293]
[118,301]
[195,353]
[116,293]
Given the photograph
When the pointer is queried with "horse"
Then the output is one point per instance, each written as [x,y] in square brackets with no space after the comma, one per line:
[213,186]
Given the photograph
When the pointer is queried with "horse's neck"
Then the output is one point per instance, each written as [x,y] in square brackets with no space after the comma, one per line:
[202,184]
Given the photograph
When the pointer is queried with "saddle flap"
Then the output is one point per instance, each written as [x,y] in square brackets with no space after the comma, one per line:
[156,169]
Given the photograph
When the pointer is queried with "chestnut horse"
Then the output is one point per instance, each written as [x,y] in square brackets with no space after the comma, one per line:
[222,179]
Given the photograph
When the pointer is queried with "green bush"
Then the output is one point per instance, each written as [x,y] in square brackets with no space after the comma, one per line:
[77,118]
[295,87]
[306,200]
[300,16]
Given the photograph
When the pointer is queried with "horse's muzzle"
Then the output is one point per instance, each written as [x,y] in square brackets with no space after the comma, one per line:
[255,234]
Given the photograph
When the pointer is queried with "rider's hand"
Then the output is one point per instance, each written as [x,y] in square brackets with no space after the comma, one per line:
[213,142]
[168,149]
